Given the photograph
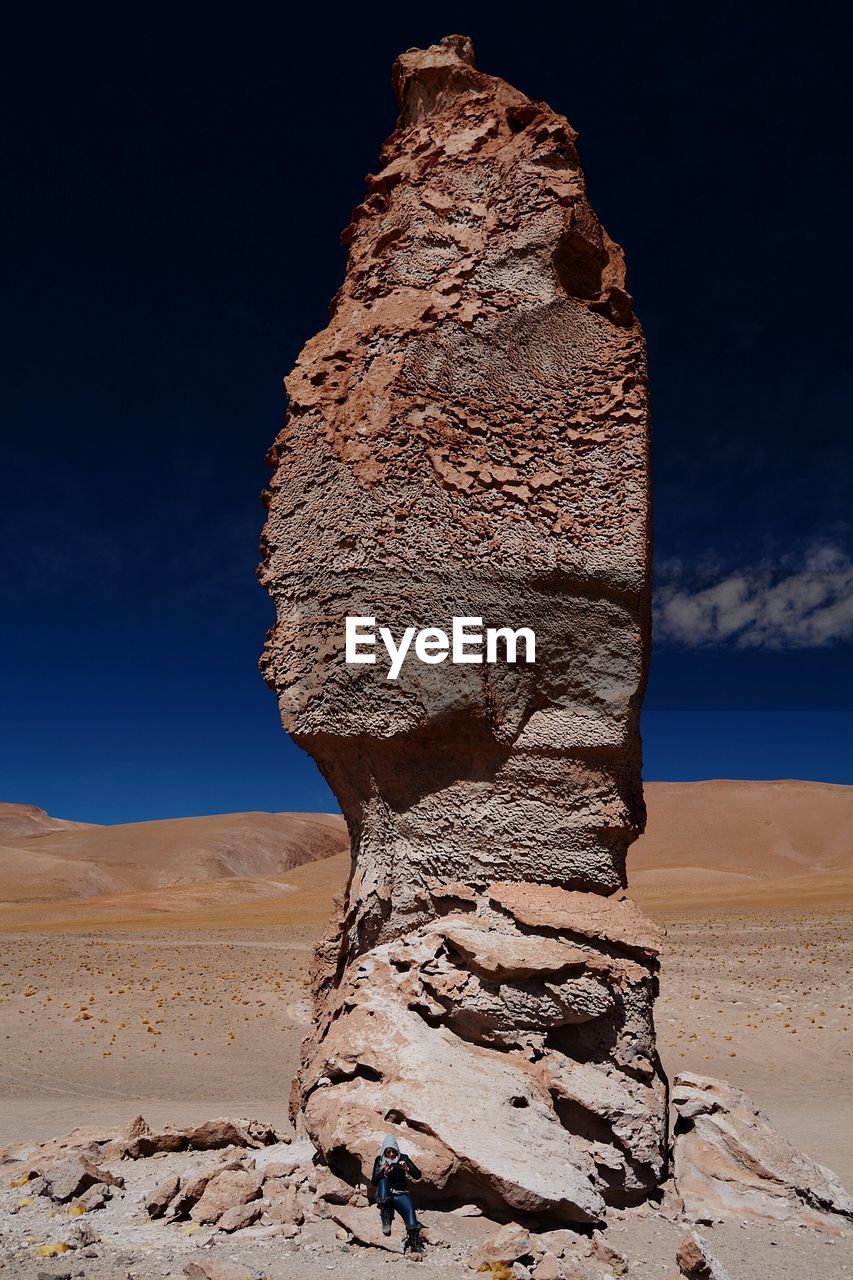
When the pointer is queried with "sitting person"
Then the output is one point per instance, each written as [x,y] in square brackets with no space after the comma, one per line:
[390,1171]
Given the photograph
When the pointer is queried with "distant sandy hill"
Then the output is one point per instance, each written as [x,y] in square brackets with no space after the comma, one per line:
[766,829]
[721,844]
[25,820]
[45,859]
[743,842]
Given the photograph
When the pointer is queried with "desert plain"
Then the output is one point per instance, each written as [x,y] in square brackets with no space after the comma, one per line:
[164,968]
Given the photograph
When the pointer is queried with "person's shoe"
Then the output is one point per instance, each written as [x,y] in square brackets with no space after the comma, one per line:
[413,1244]
[386,1213]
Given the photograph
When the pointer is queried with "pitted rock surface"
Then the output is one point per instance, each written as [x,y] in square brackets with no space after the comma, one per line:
[469,437]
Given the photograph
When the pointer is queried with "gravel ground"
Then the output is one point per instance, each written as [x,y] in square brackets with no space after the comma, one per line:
[119,1241]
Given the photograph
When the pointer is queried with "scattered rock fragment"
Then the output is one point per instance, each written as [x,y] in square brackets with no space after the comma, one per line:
[226,1190]
[209,1269]
[695,1261]
[162,1196]
[509,1244]
[74,1175]
[547,1268]
[190,1193]
[364,1227]
[283,1202]
[214,1134]
[333,1189]
[602,1252]
[281,1168]
[730,1162]
[95,1197]
[240,1216]
[150,1144]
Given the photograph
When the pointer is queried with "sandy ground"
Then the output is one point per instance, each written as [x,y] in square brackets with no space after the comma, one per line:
[187,1022]
[192,1003]
[184,1023]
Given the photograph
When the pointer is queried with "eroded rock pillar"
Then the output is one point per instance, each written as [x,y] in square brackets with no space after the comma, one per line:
[469,437]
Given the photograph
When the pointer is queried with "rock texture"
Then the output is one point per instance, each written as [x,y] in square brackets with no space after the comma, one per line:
[280,1191]
[549,1256]
[695,1262]
[469,437]
[731,1163]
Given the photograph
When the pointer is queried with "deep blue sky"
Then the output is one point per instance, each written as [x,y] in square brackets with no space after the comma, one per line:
[177,178]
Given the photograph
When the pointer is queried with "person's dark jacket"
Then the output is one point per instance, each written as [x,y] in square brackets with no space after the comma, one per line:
[402,1167]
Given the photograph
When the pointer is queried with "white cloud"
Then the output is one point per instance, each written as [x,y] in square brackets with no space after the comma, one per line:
[789,606]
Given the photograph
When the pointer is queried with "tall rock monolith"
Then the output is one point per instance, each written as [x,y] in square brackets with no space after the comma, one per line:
[469,437]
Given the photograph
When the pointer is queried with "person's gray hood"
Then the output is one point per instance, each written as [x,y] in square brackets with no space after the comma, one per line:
[389,1141]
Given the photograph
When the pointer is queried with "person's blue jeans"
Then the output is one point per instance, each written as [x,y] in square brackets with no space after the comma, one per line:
[400,1200]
